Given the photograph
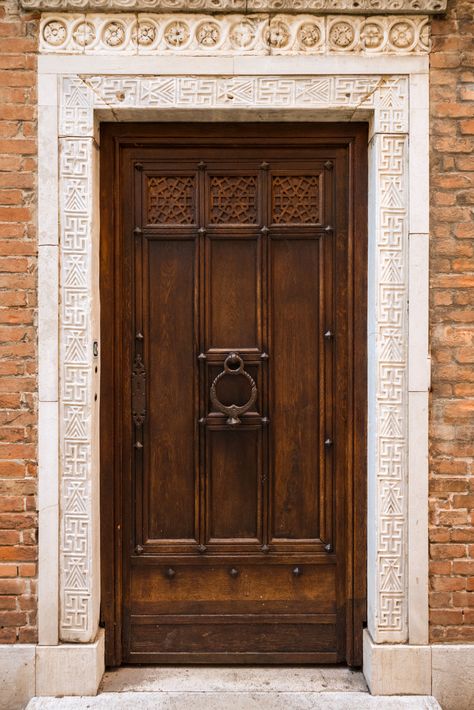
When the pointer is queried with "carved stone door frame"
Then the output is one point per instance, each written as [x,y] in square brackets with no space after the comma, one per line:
[391,93]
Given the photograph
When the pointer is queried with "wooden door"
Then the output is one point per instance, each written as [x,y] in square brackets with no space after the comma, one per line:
[233,288]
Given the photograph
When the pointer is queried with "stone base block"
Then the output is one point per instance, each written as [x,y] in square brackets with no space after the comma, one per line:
[397,669]
[17,675]
[453,675]
[70,669]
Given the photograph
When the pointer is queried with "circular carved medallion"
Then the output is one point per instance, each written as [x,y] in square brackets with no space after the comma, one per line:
[84,33]
[55,32]
[208,34]
[277,35]
[401,35]
[176,34]
[146,33]
[372,35]
[309,34]
[242,34]
[341,34]
[114,34]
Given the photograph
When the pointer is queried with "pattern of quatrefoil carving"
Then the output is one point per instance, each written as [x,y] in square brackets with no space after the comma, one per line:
[233,199]
[295,199]
[171,199]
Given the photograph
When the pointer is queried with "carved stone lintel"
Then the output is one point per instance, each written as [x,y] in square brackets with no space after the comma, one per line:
[332,7]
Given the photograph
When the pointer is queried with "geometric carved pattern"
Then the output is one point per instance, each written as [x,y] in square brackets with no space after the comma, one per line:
[233,199]
[295,199]
[154,34]
[76,395]
[386,99]
[171,200]
[391,403]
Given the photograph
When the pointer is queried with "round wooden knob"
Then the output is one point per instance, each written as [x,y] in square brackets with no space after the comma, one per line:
[170,573]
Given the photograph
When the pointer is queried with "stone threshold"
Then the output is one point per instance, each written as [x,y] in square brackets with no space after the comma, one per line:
[216,688]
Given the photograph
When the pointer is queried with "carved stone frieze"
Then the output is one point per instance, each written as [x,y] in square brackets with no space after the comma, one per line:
[334,7]
[234,34]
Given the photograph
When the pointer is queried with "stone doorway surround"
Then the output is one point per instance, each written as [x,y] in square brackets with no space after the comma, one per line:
[137,67]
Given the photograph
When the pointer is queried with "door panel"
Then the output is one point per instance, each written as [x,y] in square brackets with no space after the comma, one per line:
[295,387]
[229,399]
[233,293]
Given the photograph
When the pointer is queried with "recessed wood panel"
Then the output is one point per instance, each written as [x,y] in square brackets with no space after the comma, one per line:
[170,453]
[234,290]
[295,376]
[257,635]
[233,483]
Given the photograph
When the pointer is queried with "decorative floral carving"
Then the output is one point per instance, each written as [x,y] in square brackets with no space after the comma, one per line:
[372,35]
[208,34]
[309,34]
[342,34]
[278,35]
[84,34]
[55,32]
[146,33]
[242,34]
[257,34]
[401,35]
[335,7]
[114,34]
[176,34]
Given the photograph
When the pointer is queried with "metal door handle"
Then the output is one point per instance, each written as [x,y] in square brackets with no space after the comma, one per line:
[234,365]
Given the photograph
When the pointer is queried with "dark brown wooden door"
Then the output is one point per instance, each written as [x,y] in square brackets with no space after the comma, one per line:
[234,263]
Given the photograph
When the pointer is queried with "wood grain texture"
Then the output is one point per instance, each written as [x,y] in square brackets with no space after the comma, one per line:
[226,238]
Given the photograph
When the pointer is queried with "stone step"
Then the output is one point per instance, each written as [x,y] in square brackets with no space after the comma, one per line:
[231,700]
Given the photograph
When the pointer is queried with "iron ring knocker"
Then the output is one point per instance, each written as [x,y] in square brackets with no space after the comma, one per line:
[233,411]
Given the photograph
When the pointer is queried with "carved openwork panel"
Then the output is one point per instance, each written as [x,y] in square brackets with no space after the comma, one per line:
[171,199]
[295,199]
[233,199]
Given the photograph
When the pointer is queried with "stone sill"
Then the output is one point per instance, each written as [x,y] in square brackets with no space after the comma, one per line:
[333,7]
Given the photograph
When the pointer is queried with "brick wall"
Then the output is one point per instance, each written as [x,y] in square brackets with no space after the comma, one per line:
[452,320]
[17,326]
[452,332]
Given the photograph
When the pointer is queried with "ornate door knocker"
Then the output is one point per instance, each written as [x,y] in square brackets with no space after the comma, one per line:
[234,365]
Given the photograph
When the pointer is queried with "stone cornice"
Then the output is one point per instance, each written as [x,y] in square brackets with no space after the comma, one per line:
[332,7]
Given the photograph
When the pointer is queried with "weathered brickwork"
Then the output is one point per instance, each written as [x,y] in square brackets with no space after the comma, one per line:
[17,326]
[452,326]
